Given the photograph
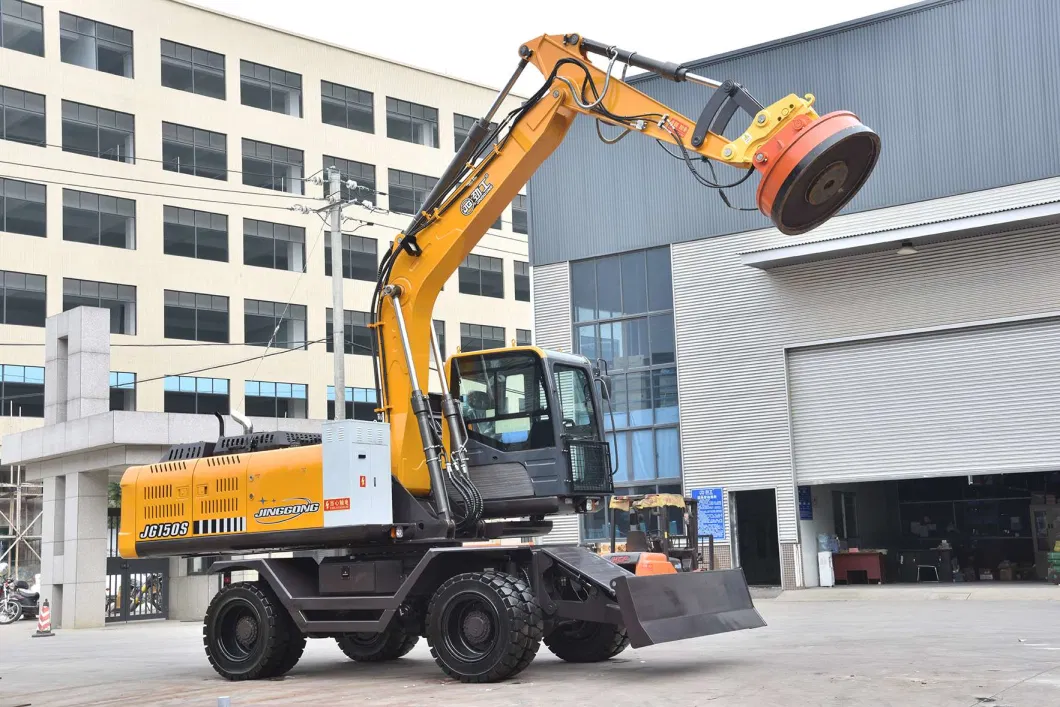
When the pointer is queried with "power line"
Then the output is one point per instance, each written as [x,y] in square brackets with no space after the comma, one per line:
[165,184]
[137,158]
[395,228]
[159,196]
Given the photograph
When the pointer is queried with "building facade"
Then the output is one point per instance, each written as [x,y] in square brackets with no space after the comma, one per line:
[164,162]
[889,380]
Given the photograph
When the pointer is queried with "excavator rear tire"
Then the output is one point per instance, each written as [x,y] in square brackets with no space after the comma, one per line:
[389,644]
[586,641]
[246,633]
[484,626]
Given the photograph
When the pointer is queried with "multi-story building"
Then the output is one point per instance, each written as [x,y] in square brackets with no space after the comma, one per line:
[163,161]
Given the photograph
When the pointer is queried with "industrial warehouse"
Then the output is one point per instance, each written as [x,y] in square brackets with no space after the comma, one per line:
[886,388]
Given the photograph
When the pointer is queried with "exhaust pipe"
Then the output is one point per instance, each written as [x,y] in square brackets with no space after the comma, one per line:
[244,422]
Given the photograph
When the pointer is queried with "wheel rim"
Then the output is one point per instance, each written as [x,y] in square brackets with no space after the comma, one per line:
[364,640]
[577,630]
[470,625]
[238,632]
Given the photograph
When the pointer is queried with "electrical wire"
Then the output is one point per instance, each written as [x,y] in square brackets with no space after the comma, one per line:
[95,187]
[294,290]
[137,158]
[165,184]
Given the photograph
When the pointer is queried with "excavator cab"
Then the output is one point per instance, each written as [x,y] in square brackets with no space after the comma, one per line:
[534,433]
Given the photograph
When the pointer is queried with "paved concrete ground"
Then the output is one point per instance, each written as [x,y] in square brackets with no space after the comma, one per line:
[880,653]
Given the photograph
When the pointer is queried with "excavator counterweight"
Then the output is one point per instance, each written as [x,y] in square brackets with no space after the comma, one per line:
[388,525]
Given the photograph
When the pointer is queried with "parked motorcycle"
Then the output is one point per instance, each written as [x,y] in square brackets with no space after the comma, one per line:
[17,599]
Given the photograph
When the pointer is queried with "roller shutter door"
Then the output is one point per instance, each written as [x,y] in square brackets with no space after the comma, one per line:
[978,400]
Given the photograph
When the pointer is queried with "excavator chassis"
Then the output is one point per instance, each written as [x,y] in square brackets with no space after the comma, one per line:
[483,610]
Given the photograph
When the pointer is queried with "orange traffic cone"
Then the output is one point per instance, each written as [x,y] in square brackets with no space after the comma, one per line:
[44,621]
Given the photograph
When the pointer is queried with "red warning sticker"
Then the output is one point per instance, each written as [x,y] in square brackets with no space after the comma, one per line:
[364,482]
[679,127]
[337,504]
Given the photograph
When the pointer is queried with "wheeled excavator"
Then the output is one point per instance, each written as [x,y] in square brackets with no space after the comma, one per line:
[380,523]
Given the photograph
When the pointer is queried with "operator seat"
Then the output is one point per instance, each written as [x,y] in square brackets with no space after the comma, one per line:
[637,541]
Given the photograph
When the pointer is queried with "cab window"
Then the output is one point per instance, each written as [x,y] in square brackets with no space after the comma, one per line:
[576,401]
[504,400]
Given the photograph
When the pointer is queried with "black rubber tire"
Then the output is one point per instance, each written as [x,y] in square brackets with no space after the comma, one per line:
[586,641]
[514,633]
[265,651]
[291,654]
[389,644]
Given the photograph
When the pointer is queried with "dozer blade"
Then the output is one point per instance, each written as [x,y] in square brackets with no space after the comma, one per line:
[670,607]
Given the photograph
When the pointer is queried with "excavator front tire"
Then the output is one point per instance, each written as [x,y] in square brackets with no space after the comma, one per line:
[248,635]
[586,641]
[390,644]
[484,626]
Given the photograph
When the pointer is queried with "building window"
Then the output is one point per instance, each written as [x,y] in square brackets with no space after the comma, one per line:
[357,334]
[439,331]
[195,317]
[523,337]
[122,391]
[98,132]
[23,298]
[346,107]
[205,396]
[194,151]
[408,191]
[273,324]
[23,208]
[411,122]
[272,89]
[99,219]
[22,27]
[273,245]
[95,45]
[482,275]
[522,281]
[478,337]
[119,299]
[192,69]
[462,125]
[623,313]
[22,116]
[268,399]
[194,234]
[21,391]
[359,257]
[519,214]
[360,403]
[272,167]
[360,172]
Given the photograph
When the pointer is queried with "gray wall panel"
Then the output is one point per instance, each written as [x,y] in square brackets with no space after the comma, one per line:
[733,323]
[953,89]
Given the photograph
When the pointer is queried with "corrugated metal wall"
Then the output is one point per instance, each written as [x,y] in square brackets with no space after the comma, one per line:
[552,330]
[956,90]
[978,400]
[734,321]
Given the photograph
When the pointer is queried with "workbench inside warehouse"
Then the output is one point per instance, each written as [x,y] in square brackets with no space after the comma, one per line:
[987,528]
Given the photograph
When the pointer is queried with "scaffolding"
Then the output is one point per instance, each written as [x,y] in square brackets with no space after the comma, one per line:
[21,509]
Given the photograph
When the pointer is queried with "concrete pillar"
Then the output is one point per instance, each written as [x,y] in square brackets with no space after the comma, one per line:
[76,364]
[74,522]
[189,594]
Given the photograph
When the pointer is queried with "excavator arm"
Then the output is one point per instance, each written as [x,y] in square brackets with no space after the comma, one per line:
[810,167]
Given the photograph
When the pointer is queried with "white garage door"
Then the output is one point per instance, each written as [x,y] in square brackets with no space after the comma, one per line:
[967,401]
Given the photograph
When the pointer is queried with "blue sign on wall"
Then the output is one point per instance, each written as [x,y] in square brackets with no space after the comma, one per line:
[805,503]
[712,519]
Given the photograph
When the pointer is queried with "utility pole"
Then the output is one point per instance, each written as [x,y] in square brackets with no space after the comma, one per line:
[338,314]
